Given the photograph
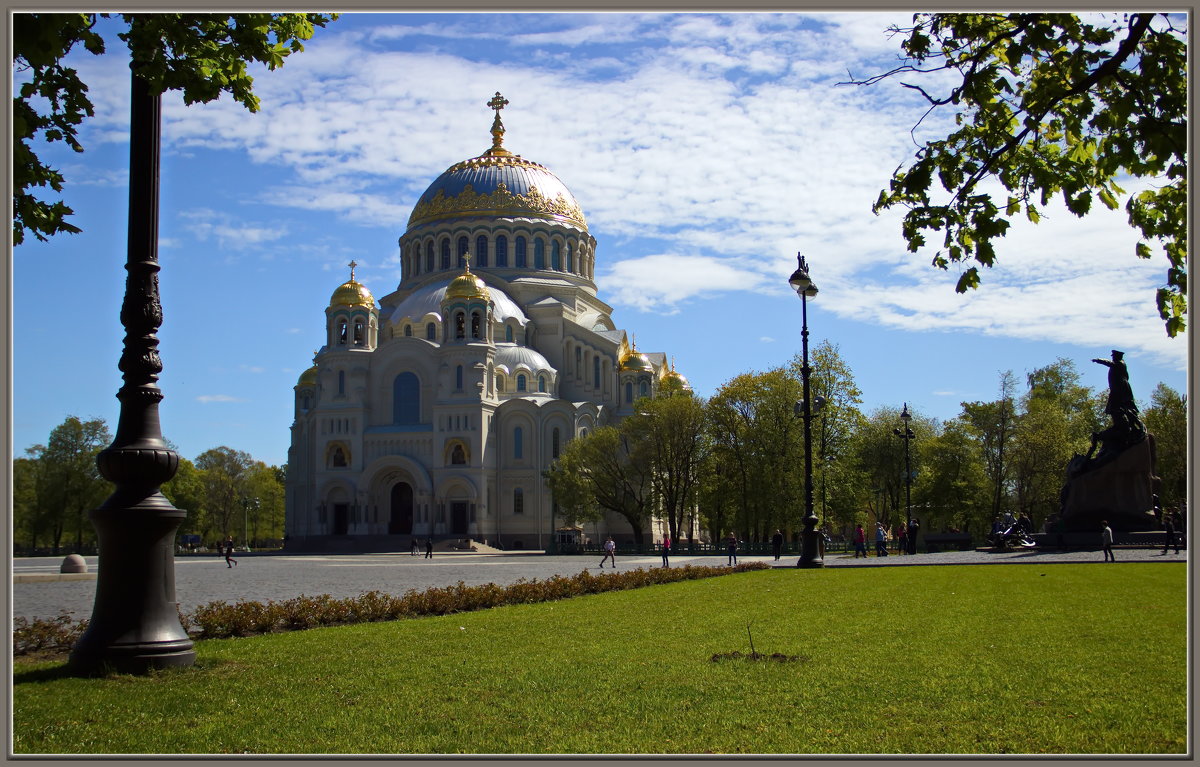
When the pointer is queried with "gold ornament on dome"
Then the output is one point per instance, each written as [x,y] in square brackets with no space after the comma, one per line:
[498,203]
[467,285]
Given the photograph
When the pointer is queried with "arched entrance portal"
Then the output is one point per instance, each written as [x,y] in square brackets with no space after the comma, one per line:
[401,521]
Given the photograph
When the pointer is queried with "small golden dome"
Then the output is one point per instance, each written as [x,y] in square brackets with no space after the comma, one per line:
[673,381]
[308,377]
[352,293]
[636,361]
[467,285]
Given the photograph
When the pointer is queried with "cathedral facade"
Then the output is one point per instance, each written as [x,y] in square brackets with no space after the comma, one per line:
[434,412]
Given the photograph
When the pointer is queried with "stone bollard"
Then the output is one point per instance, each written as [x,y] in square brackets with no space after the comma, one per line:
[73,563]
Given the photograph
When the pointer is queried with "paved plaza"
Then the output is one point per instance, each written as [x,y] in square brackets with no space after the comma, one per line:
[38,593]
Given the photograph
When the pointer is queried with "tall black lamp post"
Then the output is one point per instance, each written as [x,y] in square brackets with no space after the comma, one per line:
[135,620]
[810,540]
[907,435]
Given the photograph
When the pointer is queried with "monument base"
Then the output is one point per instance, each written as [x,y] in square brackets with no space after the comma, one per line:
[1119,490]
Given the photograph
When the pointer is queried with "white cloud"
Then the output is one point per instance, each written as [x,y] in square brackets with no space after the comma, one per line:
[661,282]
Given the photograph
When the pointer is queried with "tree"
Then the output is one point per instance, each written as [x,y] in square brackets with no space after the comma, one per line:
[202,55]
[224,474]
[1166,419]
[756,438]
[879,456]
[186,491]
[68,481]
[992,424]
[954,486]
[264,498]
[1047,104]
[605,469]
[671,430]
[839,488]
[27,519]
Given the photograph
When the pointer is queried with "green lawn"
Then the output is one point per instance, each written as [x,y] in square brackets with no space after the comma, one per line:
[1085,658]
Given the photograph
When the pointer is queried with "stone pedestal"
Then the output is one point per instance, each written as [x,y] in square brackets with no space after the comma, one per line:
[1119,490]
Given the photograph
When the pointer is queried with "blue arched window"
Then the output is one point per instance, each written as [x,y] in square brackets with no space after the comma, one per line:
[501,251]
[556,256]
[521,382]
[463,247]
[429,256]
[408,331]
[431,331]
[570,259]
[554,444]
[518,501]
[406,399]
[508,333]
[481,250]
[643,389]
[458,377]
[518,442]
[578,362]
[520,253]
[539,253]
[596,372]
[445,253]
[629,391]
[542,383]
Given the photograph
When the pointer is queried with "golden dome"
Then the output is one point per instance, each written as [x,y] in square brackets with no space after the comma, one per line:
[308,377]
[352,293]
[467,285]
[633,360]
[673,381]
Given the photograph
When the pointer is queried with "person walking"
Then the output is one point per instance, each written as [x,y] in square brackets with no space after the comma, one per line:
[666,550]
[1106,539]
[731,543]
[416,547]
[860,542]
[229,560]
[1169,524]
[914,525]
[610,552]
[429,547]
[880,540]
[777,544]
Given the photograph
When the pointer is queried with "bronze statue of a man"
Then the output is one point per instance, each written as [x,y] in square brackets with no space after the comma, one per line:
[1120,393]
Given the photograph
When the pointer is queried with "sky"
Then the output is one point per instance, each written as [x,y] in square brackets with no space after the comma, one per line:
[706,151]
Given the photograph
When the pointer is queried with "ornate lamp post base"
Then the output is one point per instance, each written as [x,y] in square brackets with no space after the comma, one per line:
[812,553]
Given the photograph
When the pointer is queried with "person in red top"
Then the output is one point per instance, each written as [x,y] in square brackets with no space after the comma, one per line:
[860,542]
[666,550]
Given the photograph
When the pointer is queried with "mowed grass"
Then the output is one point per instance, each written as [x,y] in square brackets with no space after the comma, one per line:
[1081,658]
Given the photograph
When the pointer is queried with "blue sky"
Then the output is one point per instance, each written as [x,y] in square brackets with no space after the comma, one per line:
[706,151]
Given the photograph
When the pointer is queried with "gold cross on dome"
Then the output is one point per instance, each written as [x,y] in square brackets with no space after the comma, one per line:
[498,102]
[352,265]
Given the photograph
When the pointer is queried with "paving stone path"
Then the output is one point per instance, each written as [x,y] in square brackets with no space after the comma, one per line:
[37,593]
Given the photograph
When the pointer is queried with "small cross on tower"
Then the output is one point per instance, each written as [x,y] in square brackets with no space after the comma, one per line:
[352,265]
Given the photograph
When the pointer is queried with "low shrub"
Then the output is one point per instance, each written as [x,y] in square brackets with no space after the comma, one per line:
[217,620]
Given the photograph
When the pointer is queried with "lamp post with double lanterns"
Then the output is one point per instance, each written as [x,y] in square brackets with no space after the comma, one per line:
[907,435]
[810,540]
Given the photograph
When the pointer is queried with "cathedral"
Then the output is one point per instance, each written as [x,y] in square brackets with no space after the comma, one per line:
[433,413]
